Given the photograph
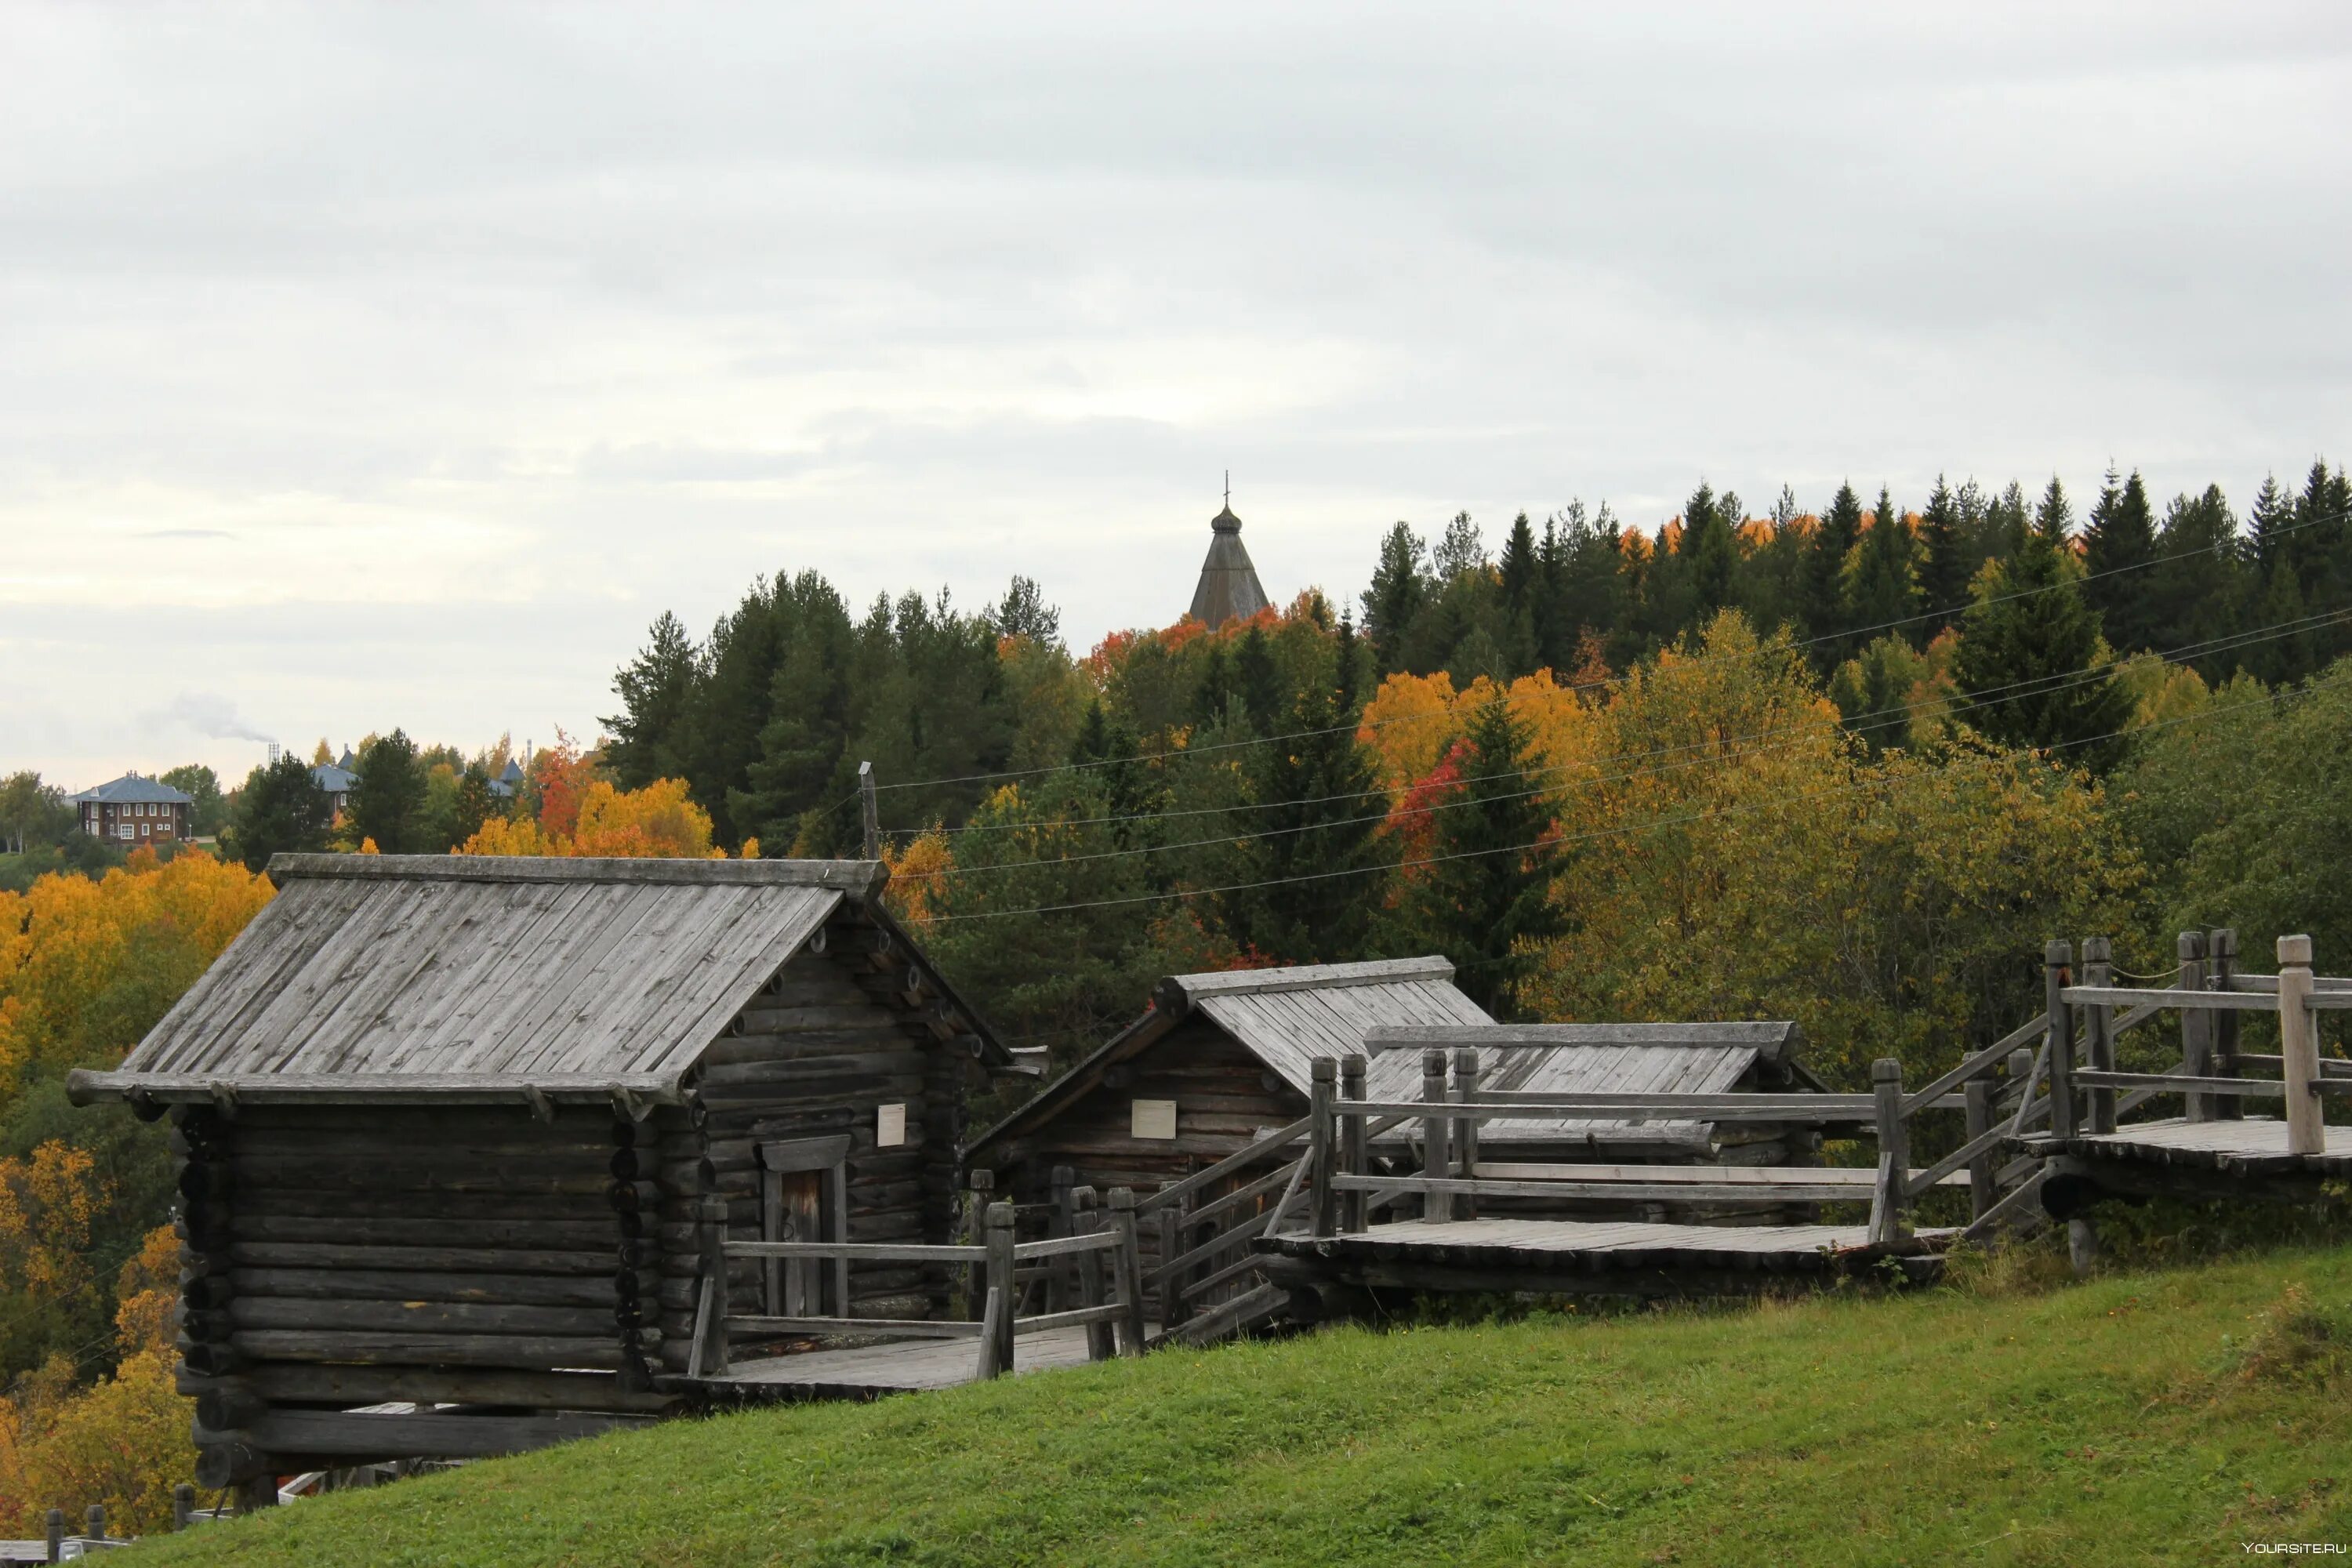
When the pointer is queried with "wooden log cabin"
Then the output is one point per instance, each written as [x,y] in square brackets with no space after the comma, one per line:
[1200,1103]
[446,1126]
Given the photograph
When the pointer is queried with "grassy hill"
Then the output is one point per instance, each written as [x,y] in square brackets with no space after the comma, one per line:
[2159,1417]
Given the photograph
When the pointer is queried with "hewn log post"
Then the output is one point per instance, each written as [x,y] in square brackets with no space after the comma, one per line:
[2059,1031]
[2098,1029]
[1172,1246]
[1436,1158]
[1887,1203]
[54,1521]
[1978,1092]
[1465,1129]
[2220,964]
[975,1234]
[2196,1023]
[713,1237]
[1086,1219]
[1130,1272]
[1352,1144]
[2307,1133]
[94,1522]
[1321,1141]
[1001,1286]
[1059,1274]
[183,1506]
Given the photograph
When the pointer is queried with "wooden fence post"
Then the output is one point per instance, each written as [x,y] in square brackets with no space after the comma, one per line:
[714,1270]
[2059,1031]
[94,1525]
[1978,1092]
[1173,1307]
[1130,1272]
[1086,1219]
[2099,1034]
[1002,1290]
[1466,1133]
[975,1234]
[2196,1023]
[2307,1133]
[1321,1142]
[2220,964]
[55,1522]
[1352,1145]
[1061,1273]
[1886,1225]
[183,1506]
[1435,1160]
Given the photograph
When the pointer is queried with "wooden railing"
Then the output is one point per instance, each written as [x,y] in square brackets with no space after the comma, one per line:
[1346,1193]
[1208,1279]
[2209,998]
[1102,1253]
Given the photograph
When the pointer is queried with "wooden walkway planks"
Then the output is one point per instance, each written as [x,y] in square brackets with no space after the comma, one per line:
[1542,1241]
[899,1366]
[2178,1158]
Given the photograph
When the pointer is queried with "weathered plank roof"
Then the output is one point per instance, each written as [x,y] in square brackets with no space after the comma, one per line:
[1699,1058]
[442,973]
[1287,1018]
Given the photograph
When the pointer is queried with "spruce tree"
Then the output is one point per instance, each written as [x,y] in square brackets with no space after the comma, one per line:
[791,795]
[1484,896]
[1834,538]
[1400,587]
[1944,565]
[2117,547]
[2033,664]
[280,810]
[1313,844]
[389,799]
[1710,552]
[1884,593]
[2198,589]
[2054,520]
[1519,576]
[656,690]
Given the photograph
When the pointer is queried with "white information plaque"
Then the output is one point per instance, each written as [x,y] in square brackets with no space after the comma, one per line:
[1154,1119]
[890,1126]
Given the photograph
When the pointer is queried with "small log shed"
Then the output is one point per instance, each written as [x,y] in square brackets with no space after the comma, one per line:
[445,1124]
[1220,1060]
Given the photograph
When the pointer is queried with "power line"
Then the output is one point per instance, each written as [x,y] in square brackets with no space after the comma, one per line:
[2223,642]
[1881,719]
[1541,843]
[1174,753]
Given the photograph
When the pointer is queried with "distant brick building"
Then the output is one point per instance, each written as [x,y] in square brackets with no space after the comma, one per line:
[133,810]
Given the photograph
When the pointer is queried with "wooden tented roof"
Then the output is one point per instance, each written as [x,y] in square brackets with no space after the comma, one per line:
[438,976]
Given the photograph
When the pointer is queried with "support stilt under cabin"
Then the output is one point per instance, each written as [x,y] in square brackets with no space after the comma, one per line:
[459,1131]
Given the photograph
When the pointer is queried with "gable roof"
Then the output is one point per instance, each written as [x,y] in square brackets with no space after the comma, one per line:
[333,777]
[132,790]
[436,977]
[1285,1017]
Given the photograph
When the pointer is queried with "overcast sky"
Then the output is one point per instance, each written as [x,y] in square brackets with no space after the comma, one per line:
[374,367]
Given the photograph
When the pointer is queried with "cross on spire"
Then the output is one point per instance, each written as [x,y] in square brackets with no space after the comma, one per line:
[1229,489]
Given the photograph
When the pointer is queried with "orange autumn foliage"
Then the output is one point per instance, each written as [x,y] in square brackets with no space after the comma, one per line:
[87,967]
[656,822]
[917,871]
[563,775]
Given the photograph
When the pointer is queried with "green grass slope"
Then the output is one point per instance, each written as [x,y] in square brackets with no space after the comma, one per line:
[2163,1417]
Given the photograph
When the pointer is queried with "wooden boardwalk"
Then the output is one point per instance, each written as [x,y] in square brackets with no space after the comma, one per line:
[869,1372]
[1594,1256]
[2180,1158]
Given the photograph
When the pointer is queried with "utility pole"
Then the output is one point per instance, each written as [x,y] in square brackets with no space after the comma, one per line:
[871,812]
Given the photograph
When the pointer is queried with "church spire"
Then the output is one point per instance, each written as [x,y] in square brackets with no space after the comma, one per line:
[1229,588]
